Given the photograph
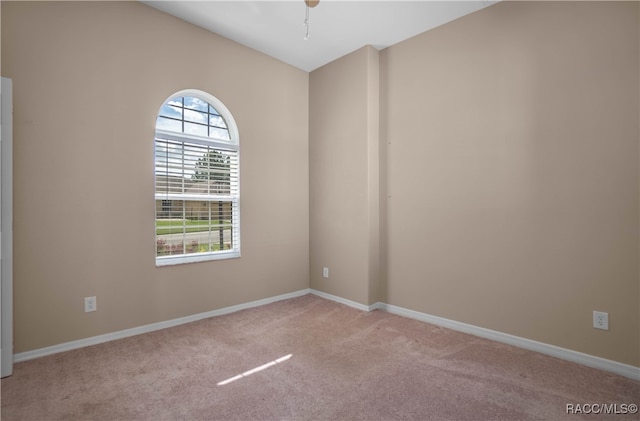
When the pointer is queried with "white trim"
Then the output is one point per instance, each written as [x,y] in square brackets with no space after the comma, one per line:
[341,300]
[95,340]
[6,227]
[196,257]
[226,145]
[195,197]
[625,370]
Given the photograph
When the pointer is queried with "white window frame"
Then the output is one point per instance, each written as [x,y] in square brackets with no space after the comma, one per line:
[233,144]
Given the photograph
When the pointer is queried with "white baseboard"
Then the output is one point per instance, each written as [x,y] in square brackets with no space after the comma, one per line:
[625,370]
[95,340]
[341,300]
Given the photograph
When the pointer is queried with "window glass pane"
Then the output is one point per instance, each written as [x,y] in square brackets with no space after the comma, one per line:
[191,226]
[190,159]
[198,186]
[220,229]
[213,110]
[161,150]
[170,227]
[195,129]
[169,158]
[169,217]
[176,101]
[164,123]
[195,116]
[171,111]
[216,120]
[219,133]
[195,104]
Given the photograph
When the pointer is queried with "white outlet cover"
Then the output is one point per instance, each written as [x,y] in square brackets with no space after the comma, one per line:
[601,320]
[90,304]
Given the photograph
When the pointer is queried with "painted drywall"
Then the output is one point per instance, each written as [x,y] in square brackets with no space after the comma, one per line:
[89,79]
[344,176]
[512,170]
[508,171]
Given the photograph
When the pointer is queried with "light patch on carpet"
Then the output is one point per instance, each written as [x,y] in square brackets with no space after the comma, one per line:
[255,370]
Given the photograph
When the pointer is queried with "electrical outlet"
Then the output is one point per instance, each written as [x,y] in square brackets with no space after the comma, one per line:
[601,320]
[325,272]
[90,304]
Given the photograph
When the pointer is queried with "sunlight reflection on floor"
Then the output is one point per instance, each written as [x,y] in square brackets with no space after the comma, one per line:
[255,370]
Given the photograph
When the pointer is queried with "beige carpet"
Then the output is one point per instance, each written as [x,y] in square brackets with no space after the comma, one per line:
[307,359]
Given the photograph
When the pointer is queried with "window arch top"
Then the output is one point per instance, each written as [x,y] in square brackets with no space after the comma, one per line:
[193,113]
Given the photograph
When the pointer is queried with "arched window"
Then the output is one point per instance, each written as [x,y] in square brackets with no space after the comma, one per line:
[197,186]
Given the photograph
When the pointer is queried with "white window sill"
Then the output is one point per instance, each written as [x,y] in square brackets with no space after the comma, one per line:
[199,257]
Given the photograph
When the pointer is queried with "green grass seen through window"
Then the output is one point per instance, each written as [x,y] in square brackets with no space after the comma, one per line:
[168,226]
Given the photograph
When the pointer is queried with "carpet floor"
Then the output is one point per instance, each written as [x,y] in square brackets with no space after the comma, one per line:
[308,358]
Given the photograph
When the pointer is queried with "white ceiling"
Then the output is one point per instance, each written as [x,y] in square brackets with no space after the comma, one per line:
[337,27]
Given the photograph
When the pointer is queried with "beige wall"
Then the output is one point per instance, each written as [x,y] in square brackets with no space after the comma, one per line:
[88,79]
[513,172]
[344,176]
[486,171]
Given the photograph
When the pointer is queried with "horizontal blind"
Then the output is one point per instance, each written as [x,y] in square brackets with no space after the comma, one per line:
[196,170]
[197,197]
